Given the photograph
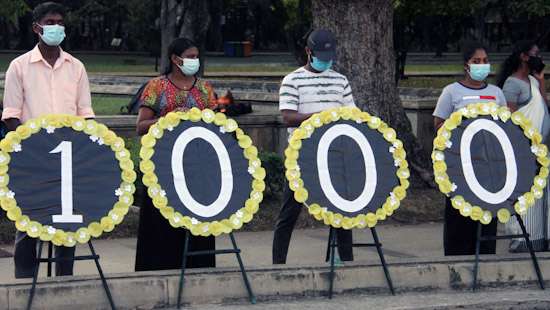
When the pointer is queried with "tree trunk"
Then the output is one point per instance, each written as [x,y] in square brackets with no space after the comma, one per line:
[188,19]
[366,56]
[168,15]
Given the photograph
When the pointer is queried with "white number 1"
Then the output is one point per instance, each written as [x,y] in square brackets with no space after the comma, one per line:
[66,216]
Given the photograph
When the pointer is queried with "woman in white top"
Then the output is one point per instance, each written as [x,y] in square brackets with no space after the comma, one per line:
[522,80]
[459,232]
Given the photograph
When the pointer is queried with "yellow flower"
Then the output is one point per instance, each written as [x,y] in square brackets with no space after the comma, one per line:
[149,179]
[160,201]
[70,240]
[172,119]
[258,185]
[316,121]
[486,217]
[403,173]
[251,152]
[220,119]
[440,166]
[146,153]
[146,166]
[34,229]
[458,202]
[109,137]
[456,118]
[118,144]
[544,161]
[405,183]
[292,174]
[301,195]
[128,176]
[208,115]
[116,216]
[176,220]
[148,141]
[293,144]
[439,143]
[371,219]
[400,192]
[22,223]
[380,214]
[195,114]
[477,213]
[251,206]
[14,214]
[82,235]
[390,135]
[230,125]
[126,164]
[296,184]
[256,196]
[399,153]
[107,224]
[259,173]
[91,128]
[504,114]
[23,131]
[518,118]
[245,142]
[503,215]
[449,124]
[374,122]
[95,229]
[291,154]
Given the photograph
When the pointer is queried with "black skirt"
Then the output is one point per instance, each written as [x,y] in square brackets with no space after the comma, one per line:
[460,234]
[160,246]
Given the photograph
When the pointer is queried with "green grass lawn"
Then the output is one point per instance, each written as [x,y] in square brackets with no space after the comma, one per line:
[105,105]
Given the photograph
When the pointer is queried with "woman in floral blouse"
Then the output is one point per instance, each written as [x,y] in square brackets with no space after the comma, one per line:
[160,246]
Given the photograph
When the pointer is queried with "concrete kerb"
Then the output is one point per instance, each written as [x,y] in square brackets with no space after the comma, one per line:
[147,290]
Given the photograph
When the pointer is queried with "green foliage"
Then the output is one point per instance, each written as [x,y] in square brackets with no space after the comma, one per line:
[273,164]
[530,7]
[11,10]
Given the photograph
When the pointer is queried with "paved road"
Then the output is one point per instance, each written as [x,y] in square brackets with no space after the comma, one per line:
[484,300]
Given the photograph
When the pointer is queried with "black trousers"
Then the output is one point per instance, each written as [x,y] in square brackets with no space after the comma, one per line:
[460,234]
[285,225]
[25,257]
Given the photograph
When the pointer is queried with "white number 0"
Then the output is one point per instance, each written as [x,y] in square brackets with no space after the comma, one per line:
[66,216]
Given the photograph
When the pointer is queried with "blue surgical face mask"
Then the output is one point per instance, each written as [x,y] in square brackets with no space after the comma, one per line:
[52,35]
[190,66]
[479,72]
[320,65]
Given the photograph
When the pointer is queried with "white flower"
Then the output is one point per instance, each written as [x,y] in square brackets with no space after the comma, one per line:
[535,149]
[194,221]
[170,128]
[222,130]
[100,141]
[522,201]
[297,168]
[251,170]
[50,129]
[392,149]
[453,187]
[162,193]
[324,209]
[118,192]
[495,117]
[10,194]
[51,230]
[256,164]
[439,156]
[17,147]
[239,214]
[358,121]
[94,138]
[448,144]
[396,162]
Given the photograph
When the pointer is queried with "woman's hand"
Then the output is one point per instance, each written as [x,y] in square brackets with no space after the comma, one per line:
[539,76]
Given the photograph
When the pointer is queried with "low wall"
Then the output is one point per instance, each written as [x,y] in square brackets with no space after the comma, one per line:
[146,290]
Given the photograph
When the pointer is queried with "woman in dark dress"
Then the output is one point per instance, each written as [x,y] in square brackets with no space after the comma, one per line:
[159,245]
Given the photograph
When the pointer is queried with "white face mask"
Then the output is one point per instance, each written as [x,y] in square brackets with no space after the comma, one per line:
[190,66]
[52,35]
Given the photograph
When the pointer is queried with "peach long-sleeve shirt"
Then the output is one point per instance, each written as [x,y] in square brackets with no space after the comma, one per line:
[33,88]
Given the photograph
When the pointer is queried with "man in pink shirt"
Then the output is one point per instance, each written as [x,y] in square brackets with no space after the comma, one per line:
[45,80]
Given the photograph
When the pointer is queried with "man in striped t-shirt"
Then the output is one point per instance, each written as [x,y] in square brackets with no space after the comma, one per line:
[304,92]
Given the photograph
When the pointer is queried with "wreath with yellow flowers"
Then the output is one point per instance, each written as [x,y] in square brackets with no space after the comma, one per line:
[296,184]
[98,133]
[157,194]
[502,113]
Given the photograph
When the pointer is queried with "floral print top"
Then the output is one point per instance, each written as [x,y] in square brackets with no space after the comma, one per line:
[162,96]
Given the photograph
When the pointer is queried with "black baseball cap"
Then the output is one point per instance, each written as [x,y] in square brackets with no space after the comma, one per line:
[323,44]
